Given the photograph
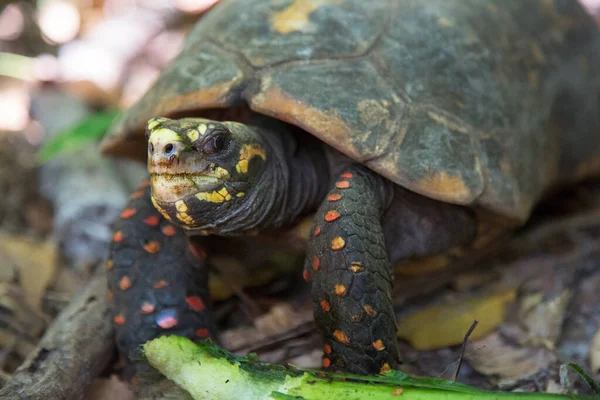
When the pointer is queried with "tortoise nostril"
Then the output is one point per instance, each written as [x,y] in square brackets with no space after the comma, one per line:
[169,149]
[151,148]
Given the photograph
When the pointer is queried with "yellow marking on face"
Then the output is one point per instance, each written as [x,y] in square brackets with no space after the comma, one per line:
[181,206]
[193,135]
[185,218]
[160,209]
[223,192]
[240,194]
[164,134]
[153,123]
[242,167]
[202,129]
[247,152]
[212,197]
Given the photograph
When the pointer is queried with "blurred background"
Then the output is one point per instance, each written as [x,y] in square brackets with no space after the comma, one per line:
[69,66]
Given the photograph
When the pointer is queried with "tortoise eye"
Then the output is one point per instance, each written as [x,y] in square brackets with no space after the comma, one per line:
[216,143]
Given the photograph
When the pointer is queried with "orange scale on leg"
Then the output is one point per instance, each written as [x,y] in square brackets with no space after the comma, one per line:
[152,247]
[197,251]
[195,303]
[202,332]
[169,230]
[306,276]
[167,319]
[152,220]
[316,263]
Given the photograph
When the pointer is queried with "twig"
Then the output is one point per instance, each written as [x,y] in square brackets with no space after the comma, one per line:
[464,347]
[74,349]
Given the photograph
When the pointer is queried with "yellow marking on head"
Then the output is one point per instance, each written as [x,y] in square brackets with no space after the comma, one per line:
[242,167]
[193,135]
[240,194]
[181,206]
[160,209]
[164,134]
[202,129]
[247,152]
[153,123]
[213,197]
[185,218]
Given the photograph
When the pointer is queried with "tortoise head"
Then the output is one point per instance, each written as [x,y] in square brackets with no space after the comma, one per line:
[202,171]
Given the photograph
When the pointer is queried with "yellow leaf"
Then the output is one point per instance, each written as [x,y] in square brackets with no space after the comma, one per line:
[446,324]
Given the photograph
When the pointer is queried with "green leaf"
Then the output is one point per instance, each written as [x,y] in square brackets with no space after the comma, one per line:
[207,371]
[77,136]
[586,377]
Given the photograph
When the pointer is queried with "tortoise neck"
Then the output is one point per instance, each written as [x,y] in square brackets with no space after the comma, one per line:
[294,181]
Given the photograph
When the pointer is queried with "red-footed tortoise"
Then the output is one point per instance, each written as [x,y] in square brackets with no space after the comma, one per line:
[410,127]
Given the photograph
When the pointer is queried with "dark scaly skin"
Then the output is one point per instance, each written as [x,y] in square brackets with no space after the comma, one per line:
[352,276]
[157,280]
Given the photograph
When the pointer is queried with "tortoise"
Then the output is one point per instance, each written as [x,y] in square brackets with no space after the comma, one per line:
[407,128]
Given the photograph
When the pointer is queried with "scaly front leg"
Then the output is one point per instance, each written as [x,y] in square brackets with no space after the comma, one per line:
[352,276]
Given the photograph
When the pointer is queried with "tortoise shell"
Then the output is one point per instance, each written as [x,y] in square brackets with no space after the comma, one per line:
[473,102]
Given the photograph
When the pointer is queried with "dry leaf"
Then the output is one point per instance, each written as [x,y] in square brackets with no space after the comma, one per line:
[446,324]
[505,362]
[595,353]
[35,262]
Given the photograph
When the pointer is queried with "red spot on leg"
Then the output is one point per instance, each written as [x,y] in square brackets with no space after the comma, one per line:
[197,251]
[327,349]
[306,276]
[125,283]
[160,284]
[152,220]
[128,213]
[195,303]
[316,264]
[317,230]
[167,322]
[325,305]
[334,197]
[167,319]
[118,237]
[147,308]
[169,230]
[152,247]
[119,319]
[137,194]
[202,333]
[346,175]
[342,184]
[326,362]
[332,216]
